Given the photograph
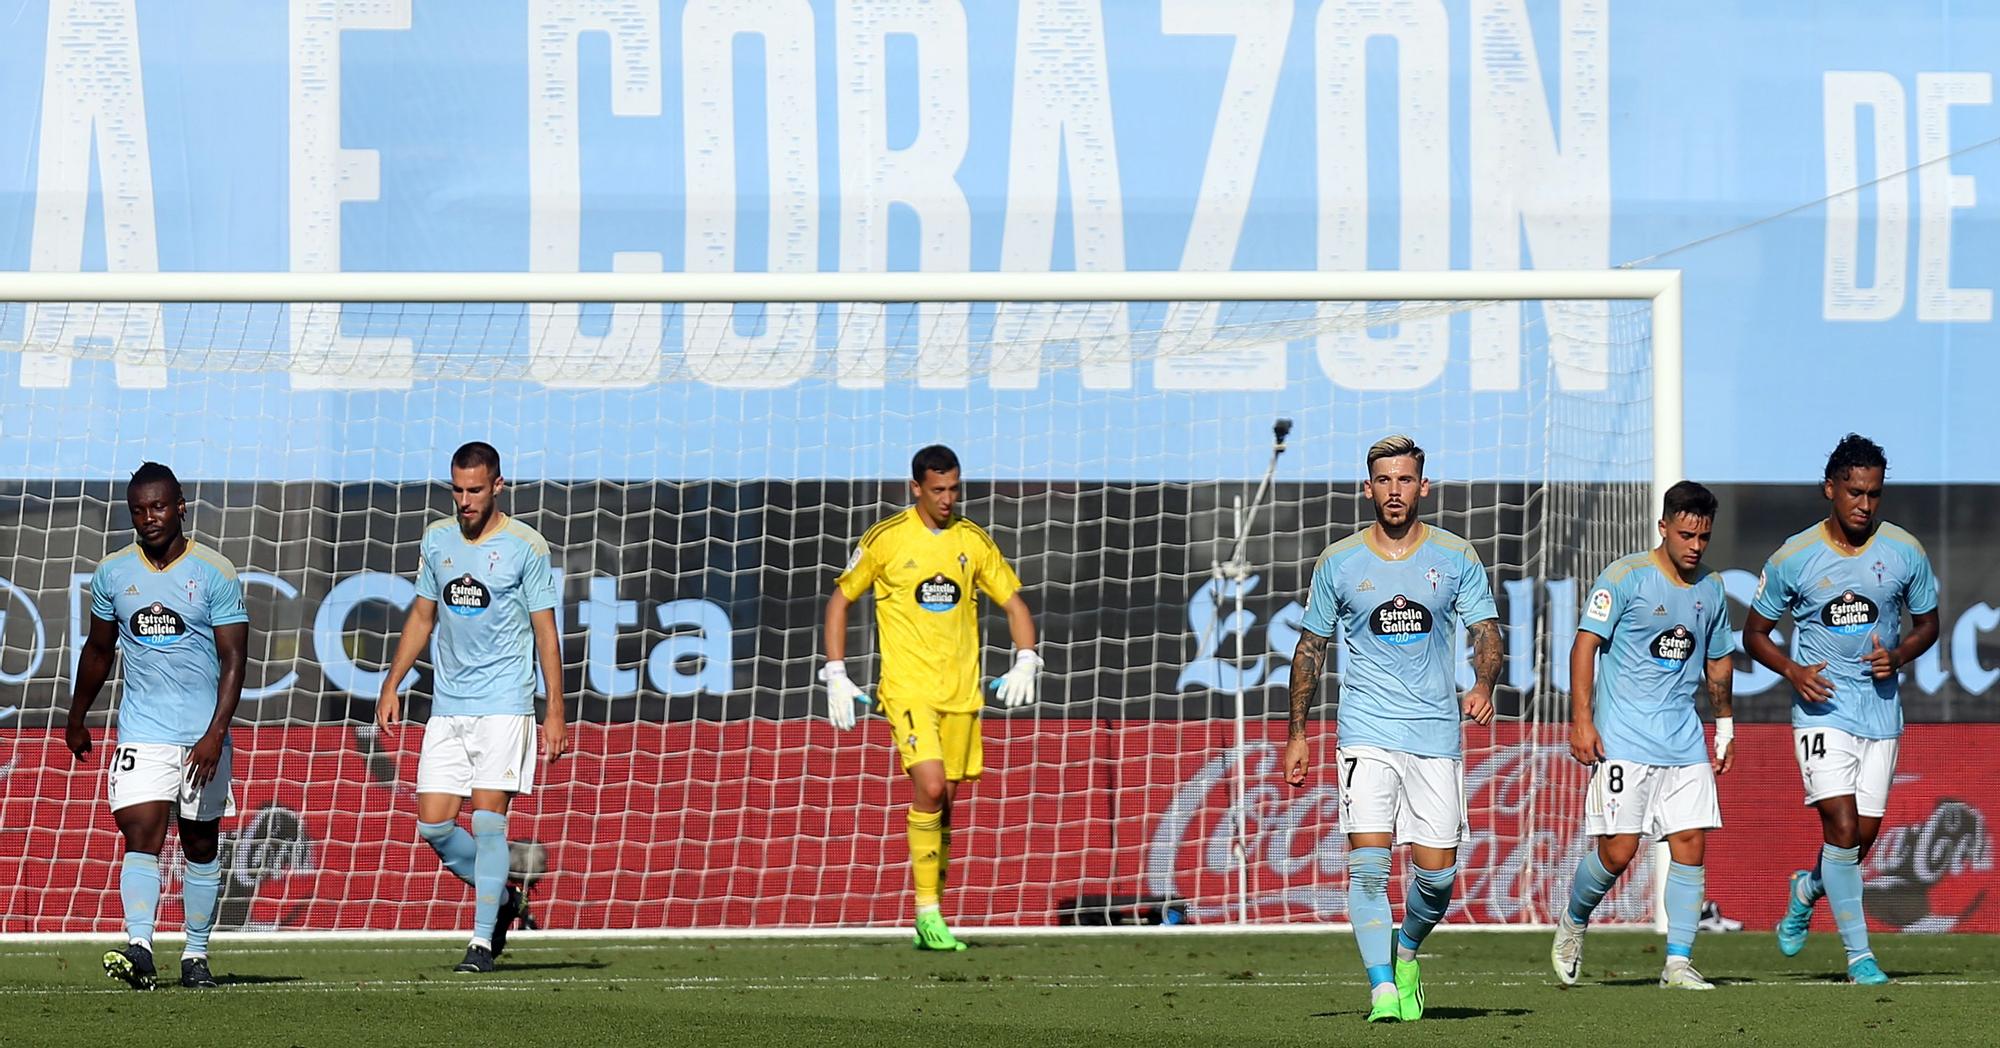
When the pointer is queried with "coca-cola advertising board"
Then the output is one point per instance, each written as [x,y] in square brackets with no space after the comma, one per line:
[789,823]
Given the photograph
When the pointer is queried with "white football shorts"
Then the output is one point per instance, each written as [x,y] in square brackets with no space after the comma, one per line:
[491,752]
[1836,764]
[143,772]
[1650,800]
[1418,800]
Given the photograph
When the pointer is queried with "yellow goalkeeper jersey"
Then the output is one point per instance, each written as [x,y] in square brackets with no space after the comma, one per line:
[925,610]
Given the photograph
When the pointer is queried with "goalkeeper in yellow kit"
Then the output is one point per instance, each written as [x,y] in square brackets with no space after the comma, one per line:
[923,564]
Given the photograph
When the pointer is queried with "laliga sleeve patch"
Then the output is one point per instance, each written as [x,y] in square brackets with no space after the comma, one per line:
[1600,606]
[1760,586]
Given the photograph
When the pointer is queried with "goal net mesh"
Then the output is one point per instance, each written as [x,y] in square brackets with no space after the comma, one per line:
[701,472]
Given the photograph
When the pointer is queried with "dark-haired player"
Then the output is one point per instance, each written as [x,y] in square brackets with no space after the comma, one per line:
[491,573]
[924,565]
[1654,630]
[1846,582]
[175,608]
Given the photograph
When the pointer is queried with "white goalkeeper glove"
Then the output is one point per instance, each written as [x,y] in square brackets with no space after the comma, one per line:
[841,694]
[1016,687]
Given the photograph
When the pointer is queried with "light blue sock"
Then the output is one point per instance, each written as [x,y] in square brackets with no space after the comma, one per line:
[1368,910]
[199,890]
[1686,890]
[1424,905]
[453,845]
[489,872]
[1841,869]
[1588,887]
[1815,885]
[139,887]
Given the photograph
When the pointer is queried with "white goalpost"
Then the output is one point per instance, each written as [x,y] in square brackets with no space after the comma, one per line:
[701,451]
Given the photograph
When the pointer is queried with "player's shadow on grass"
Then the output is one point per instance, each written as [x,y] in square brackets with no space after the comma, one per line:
[551,966]
[1654,980]
[1448,1012]
[1437,1012]
[1841,977]
[902,946]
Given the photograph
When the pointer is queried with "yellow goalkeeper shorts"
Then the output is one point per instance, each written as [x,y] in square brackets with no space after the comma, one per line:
[924,733]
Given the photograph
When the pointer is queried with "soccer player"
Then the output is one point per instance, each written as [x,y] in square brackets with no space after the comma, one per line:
[923,565]
[176,608]
[1846,582]
[1658,625]
[1397,589]
[491,573]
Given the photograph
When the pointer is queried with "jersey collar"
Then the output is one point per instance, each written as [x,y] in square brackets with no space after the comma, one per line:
[140,553]
[481,540]
[1826,539]
[918,519]
[1668,571]
[1423,538]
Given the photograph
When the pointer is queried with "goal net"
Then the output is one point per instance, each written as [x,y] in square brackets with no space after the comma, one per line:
[702,453]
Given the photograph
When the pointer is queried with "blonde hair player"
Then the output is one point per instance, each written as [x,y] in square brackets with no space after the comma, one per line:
[923,565]
[1397,586]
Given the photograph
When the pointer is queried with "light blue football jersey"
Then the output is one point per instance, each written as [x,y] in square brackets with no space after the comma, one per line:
[484,647]
[166,626]
[1837,601]
[1660,634]
[1400,621]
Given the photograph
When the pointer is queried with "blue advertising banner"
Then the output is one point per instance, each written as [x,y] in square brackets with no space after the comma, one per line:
[940,135]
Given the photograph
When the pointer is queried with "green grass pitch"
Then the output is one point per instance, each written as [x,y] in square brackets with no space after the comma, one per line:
[1153,988]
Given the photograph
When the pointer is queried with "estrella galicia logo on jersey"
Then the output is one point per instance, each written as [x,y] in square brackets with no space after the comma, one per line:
[1400,620]
[466,595]
[158,626]
[1849,613]
[1672,648]
[938,593]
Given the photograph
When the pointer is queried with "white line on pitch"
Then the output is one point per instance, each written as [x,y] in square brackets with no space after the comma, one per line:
[804,983]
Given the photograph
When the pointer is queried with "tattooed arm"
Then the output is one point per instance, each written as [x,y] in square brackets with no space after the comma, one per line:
[1308,663]
[1486,659]
[1721,699]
